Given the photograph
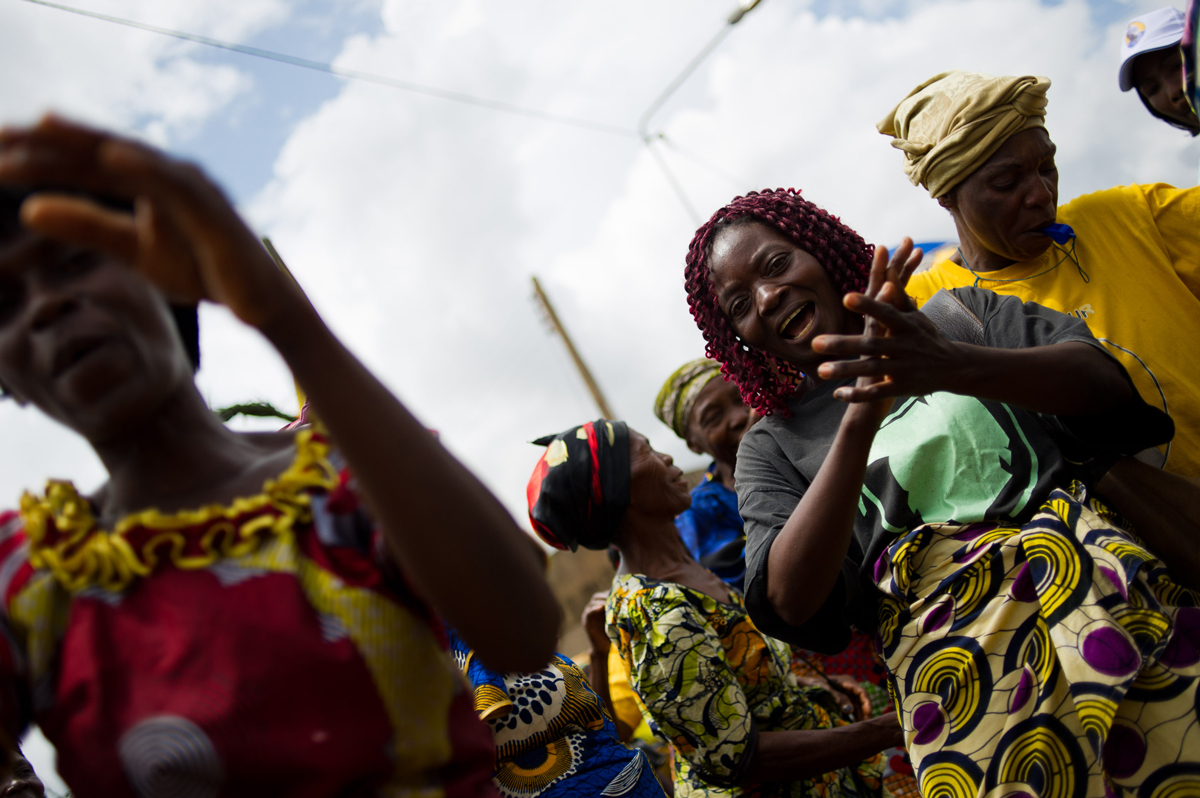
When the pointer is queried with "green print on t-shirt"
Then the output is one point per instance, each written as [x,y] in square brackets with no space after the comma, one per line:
[952,457]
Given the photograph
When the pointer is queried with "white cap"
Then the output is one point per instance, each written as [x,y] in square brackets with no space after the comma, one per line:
[1154,31]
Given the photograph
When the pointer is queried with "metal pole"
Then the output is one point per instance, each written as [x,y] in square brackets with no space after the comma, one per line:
[592,387]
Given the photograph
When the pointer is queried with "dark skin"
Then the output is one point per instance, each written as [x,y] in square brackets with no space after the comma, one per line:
[999,207]
[649,544]
[599,646]
[25,782]
[85,335]
[899,353]
[1158,78]
[715,426]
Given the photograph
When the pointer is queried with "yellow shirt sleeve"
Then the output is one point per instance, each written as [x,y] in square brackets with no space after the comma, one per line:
[1176,213]
[625,701]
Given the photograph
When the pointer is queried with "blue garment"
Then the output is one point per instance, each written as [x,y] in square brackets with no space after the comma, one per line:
[712,529]
[554,737]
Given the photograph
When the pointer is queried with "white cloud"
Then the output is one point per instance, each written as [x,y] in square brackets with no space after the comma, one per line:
[415,224]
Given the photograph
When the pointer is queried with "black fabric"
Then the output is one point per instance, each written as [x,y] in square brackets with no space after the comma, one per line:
[579,490]
[938,458]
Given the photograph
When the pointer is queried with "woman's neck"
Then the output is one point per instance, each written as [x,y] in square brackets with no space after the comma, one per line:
[723,473]
[652,546]
[174,458]
[977,257]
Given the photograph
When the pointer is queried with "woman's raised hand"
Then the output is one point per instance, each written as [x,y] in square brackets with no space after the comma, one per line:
[183,235]
[901,352]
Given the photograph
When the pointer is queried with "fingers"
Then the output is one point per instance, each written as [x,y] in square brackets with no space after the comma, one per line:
[891,317]
[848,369]
[853,394]
[878,275]
[910,267]
[899,258]
[79,221]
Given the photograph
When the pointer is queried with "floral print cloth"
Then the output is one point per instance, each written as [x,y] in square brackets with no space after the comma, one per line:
[710,682]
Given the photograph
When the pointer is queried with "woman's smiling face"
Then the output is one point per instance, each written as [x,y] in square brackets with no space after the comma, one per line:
[776,296]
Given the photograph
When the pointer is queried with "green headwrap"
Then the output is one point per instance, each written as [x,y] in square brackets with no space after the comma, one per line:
[679,393]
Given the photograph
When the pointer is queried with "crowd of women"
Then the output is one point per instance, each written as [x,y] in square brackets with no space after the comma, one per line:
[947,546]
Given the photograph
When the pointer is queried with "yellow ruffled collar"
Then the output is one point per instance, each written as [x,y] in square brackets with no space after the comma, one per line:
[65,539]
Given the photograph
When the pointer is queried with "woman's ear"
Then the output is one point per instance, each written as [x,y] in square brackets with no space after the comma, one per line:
[949,200]
[694,445]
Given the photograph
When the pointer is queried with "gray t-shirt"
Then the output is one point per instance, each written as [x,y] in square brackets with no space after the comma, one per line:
[936,458]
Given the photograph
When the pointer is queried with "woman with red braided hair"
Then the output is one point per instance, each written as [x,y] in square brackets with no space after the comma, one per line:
[931,477]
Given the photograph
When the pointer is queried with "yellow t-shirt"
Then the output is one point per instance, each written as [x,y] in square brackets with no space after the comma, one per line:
[1140,248]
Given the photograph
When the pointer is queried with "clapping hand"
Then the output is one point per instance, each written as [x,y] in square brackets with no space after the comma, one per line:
[901,352]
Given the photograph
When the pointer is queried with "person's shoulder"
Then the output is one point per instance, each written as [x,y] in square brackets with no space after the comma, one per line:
[943,274]
[1117,198]
[640,594]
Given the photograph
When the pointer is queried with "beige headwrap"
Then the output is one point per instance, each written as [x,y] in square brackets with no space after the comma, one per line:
[952,123]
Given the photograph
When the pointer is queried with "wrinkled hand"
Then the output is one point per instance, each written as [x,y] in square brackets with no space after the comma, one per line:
[184,235]
[593,623]
[862,702]
[843,701]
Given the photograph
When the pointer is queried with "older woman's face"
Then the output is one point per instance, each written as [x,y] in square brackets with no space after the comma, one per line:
[1013,195]
[656,485]
[83,337]
[776,296]
[717,421]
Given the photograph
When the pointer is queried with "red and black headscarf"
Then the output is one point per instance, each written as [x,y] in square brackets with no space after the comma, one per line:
[579,490]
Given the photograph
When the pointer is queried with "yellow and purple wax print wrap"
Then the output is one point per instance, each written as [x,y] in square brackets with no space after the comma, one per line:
[952,123]
[579,489]
[679,393]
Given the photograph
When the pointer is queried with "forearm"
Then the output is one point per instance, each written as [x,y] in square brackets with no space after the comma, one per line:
[806,558]
[792,755]
[599,677]
[1164,510]
[1070,379]
[453,539]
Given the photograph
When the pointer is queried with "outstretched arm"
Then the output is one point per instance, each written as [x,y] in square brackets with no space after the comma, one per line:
[453,539]
[792,755]
[806,558]
[1066,379]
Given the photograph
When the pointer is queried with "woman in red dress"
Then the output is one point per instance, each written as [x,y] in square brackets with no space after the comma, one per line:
[224,616]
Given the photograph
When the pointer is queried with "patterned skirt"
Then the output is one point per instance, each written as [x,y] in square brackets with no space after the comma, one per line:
[1056,659]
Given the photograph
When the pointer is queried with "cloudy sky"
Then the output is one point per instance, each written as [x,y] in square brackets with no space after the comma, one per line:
[415,223]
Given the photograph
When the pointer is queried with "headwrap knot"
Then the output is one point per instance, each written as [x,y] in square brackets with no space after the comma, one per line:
[679,392]
[952,123]
[579,489]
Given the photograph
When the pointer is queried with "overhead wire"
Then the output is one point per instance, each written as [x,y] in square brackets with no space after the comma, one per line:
[641,132]
[357,74]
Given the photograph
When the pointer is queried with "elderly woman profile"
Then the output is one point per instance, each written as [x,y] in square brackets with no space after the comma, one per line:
[224,616]
[711,683]
[938,489]
[1126,259]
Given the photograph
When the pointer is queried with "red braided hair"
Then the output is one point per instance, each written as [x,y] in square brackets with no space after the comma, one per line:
[765,380]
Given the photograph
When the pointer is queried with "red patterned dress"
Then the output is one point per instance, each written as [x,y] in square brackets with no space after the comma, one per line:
[263,647]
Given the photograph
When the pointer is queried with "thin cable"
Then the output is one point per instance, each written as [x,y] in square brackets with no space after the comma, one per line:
[736,182]
[679,192]
[355,74]
[644,122]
